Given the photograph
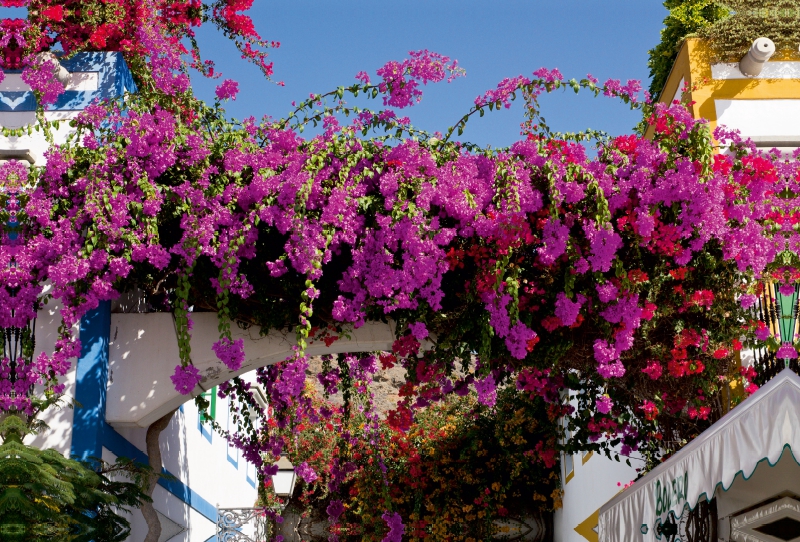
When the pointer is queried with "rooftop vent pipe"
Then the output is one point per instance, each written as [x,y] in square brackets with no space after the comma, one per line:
[753,62]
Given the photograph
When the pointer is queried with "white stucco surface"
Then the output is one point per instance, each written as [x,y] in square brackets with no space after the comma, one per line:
[760,118]
[771,70]
[58,435]
[200,460]
[144,353]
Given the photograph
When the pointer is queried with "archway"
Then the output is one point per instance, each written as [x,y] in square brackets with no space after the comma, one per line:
[143,352]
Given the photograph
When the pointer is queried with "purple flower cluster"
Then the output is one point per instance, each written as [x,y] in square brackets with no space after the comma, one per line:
[487,391]
[40,74]
[401,79]
[566,310]
[335,509]
[604,404]
[185,378]
[396,527]
[305,472]
[227,90]
[231,353]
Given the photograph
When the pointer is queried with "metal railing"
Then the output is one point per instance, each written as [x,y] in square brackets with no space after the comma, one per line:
[243,525]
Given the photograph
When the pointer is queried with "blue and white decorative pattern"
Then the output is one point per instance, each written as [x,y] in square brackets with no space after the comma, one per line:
[95,76]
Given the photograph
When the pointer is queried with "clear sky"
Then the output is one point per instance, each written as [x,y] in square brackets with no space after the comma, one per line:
[324,43]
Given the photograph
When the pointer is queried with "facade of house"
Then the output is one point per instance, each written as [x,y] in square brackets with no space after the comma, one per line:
[205,473]
[765,108]
[120,385]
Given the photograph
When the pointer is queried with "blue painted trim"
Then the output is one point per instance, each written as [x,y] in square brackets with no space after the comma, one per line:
[90,384]
[120,446]
[250,480]
[114,79]
[90,431]
[233,460]
[205,431]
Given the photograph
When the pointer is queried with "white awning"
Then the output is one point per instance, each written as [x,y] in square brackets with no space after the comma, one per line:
[759,428]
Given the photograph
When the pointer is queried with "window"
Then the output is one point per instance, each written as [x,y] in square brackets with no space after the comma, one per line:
[569,460]
[210,414]
[233,451]
[587,455]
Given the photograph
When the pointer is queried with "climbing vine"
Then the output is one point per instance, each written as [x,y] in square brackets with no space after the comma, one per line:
[610,290]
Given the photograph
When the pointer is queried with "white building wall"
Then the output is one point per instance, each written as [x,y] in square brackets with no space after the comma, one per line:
[759,119]
[594,481]
[203,461]
[58,435]
[184,524]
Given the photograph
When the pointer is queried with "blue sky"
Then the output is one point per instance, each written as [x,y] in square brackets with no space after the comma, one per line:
[325,43]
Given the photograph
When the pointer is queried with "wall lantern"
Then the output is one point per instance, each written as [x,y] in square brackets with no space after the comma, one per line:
[753,62]
[283,481]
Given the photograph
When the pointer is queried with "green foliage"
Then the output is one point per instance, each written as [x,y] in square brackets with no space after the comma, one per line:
[686,18]
[778,20]
[45,495]
[458,467]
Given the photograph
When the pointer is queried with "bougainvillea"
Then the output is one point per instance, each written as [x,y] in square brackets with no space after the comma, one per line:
[620,280]
[449,475]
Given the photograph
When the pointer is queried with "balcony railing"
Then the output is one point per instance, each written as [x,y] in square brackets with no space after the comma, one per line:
[242,525]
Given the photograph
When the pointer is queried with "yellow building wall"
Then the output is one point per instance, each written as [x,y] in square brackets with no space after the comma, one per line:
[693,66]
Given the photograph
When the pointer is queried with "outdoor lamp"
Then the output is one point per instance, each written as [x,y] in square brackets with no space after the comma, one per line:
[63,76]
[753,62]
[283,480]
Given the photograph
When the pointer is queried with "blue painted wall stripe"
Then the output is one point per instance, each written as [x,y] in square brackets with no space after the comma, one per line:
[121,447]
[90,431]
[113,80]
[90,384]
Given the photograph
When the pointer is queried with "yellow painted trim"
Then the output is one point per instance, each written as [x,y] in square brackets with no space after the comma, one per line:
[586,527]
[586,457]
[681,71]
[569,476]
[693,65]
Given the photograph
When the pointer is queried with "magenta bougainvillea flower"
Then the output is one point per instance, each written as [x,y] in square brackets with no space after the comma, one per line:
[536,265]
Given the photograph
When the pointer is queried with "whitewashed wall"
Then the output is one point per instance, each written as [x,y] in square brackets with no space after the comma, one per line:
[202,461]
[59,419]
[593,483]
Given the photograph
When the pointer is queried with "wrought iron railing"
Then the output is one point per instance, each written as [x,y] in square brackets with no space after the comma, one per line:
[243,525]
[18,346]
[767,366]
[693,525]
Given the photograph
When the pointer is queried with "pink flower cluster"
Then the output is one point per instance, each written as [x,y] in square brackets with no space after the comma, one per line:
[401,79]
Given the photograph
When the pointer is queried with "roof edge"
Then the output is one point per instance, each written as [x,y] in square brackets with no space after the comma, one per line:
[787,377]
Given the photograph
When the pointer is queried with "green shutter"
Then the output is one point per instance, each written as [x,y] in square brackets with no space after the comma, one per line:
[211,413]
